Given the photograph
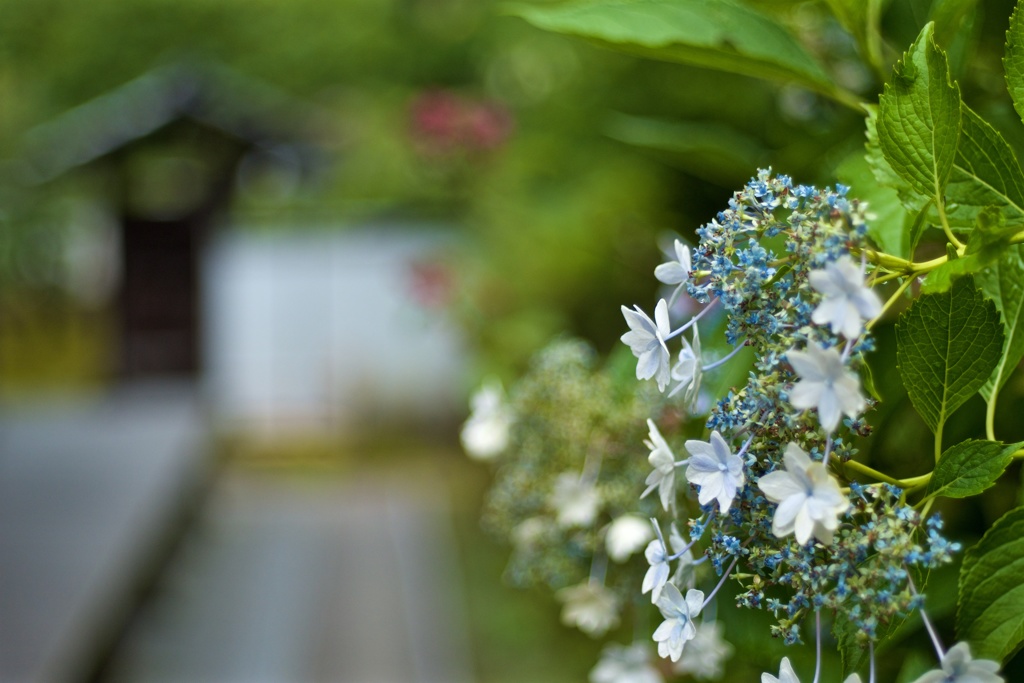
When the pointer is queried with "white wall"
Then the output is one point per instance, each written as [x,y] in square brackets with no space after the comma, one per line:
[319,328]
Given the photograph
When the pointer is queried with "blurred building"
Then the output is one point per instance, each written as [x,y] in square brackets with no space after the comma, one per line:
[286,327]
[167,148]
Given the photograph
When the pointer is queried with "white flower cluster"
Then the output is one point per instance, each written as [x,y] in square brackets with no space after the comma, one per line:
[648,338]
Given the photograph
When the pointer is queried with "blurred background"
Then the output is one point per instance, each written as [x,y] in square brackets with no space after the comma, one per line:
[253,257]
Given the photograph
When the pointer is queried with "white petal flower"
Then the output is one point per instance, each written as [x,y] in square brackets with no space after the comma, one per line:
[678,627]
[678,271]
[622,664]
[590,607]
[715,469]
[825,384]
[853,678]
[657,575]
[485,434]
[846,302]
[626,535]
[646,338]
[958,667]
[575,503]
[663,460]
[809,498]
[688,370]
[786,674]
[705,657]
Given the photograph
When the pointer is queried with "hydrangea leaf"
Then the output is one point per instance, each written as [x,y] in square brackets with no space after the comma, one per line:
[1013,60]
[716,34]
[919,117]
[911,199]
[986,173]
[991,607]
[947,346]
[918,206]
[1004,284]
[969,468]
[888,229]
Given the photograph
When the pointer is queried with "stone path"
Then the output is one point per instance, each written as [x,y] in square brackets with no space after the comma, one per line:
[292,581]
[88,492]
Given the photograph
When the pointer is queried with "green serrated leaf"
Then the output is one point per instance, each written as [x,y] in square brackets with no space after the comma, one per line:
[913,201]
[986,174]
[716,34]
[919,117]
[947,346]
[969,468]
[888,229]
[1004,284]
[1013,60]
[991,606]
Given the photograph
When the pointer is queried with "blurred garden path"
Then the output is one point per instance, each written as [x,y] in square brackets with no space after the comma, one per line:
[301,580]
[90,489]
[110,515]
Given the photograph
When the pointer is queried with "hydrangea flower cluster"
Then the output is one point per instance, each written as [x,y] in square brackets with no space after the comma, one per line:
[782,265]
[764,501]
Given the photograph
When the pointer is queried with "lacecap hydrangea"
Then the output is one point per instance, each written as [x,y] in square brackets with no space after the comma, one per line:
[777,508]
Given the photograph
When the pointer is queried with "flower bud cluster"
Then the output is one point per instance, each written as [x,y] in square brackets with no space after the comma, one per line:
[864,577]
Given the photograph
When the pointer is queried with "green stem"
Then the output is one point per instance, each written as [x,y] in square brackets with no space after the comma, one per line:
[885,278]
[888,304]
[881,476]
[940,206]
[928,502]
[905,267]
[990,416]
[938,441]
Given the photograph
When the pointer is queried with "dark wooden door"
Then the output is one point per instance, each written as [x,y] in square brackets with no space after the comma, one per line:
[160,297]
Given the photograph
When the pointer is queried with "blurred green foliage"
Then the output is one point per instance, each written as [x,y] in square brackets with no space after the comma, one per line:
[559,215]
